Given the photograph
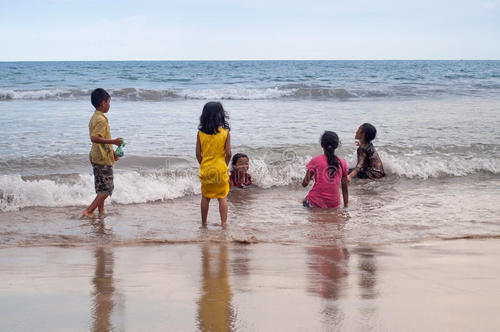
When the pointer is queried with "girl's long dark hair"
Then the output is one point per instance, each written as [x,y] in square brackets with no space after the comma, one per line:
[329,142]
[212,117]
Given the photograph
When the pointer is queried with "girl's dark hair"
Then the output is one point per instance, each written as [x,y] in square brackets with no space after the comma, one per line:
[369,131]
[236,157]
[98,96]
[212,117]
[329,142]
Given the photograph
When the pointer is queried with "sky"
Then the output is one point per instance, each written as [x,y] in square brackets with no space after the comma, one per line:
[57,30]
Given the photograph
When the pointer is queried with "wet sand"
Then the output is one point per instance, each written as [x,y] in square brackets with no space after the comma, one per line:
[451,285]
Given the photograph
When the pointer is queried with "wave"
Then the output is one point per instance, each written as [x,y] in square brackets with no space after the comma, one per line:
[424,161]
[289,91]
[51,191]
[44,94]
[169,179]
[437,166]
[142,180]
[137,94]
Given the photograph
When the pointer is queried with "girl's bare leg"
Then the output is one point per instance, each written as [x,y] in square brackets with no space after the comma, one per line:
[223,211]
[205,202]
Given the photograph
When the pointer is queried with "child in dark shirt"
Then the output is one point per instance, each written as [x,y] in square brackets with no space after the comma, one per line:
[369,165]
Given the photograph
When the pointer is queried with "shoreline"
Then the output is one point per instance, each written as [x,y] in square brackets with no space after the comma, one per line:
[256,216]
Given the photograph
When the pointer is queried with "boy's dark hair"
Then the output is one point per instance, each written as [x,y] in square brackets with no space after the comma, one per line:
[369,131]
[212,117]
[236,157]
[329,142]
[98,96]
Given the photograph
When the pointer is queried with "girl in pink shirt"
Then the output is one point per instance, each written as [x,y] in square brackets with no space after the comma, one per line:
[328,172]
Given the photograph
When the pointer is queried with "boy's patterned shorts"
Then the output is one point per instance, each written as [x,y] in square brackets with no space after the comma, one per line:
[103,179]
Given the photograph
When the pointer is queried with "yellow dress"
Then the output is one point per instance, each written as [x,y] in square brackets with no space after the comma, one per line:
[213,168]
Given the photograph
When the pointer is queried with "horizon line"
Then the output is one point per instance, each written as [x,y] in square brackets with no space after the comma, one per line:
[242,60]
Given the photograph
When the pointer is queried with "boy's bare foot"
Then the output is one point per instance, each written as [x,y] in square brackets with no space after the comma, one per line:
[87,214]
[102,215]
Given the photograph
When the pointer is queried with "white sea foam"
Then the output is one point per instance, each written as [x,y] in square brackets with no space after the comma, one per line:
[137,94]
[297,91]
[140,187]
[137,188]
[43,94]
[236,93]
[16,192]
[425,167]
[131,187]
[267,175]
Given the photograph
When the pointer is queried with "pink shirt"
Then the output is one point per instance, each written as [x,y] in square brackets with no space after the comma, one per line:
[325,191]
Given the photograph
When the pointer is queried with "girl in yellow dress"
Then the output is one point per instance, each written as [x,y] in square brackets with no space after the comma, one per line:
[213,151]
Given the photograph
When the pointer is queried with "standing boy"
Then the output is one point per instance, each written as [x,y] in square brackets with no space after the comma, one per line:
[102,156]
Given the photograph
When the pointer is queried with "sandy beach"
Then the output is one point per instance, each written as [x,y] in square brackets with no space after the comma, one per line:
[450,285]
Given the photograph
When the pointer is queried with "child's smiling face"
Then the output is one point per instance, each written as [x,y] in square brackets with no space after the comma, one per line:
[241,165]
[359,133]
[360,136]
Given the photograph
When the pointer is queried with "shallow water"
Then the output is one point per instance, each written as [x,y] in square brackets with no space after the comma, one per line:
[274,215]
[437,136]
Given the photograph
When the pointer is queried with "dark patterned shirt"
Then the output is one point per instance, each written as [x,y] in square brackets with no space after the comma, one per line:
[369,163]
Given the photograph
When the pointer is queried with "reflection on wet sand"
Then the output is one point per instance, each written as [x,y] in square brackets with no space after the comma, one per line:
[103,303]
[329,263]
[215,312]
[367,282]
[368,272]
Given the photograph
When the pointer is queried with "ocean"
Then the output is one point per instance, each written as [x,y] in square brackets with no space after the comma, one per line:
[438,136]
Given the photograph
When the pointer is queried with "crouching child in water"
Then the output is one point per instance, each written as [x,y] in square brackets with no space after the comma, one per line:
[328,171]
[102,156]
[369,165]
[239,176]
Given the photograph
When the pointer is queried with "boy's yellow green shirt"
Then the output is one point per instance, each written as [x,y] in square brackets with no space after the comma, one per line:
[101,154]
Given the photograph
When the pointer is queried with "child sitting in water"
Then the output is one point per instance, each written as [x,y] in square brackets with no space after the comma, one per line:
[239,176]
[328,171]
[369,165]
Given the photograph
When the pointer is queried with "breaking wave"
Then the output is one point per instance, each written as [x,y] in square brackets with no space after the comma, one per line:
[291,91]
[271,169]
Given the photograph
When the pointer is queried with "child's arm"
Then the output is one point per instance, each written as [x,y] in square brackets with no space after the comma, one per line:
[100,140]
[345,190]
[359,165]
[228,148]
[352,175]
[307,178]
[198,149]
